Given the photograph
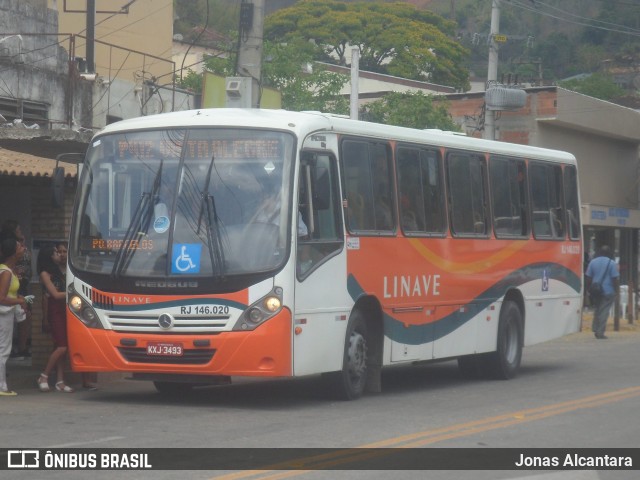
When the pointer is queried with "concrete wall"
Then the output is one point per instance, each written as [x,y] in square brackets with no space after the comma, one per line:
[147,28]
[608,167]
[123,99]
[34,67]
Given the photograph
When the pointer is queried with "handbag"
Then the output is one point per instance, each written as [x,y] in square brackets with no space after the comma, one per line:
[595,290]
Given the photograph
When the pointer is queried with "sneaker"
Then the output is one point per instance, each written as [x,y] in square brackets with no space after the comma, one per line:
[17,356]
[25,354]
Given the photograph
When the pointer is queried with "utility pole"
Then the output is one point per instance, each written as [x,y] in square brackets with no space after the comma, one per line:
[354,99]
[91,36]
[492,74]
[249,63]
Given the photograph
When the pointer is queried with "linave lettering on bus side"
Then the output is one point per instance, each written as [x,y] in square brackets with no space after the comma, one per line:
[411,286]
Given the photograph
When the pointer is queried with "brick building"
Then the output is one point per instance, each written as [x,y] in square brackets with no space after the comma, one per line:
[26,196]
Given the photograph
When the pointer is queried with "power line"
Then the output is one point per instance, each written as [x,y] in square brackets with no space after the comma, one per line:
[524,6]
[587,18]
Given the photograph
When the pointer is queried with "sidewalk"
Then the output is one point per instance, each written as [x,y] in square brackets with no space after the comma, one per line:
[22,376]
[625,326]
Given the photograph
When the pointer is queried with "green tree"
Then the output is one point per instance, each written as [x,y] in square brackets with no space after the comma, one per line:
[192,81]
[596,85]
[393,38]
[223,16]
[410,109]
[303,84]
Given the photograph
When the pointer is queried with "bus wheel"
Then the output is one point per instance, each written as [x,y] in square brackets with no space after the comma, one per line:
[504,363]
[349,383]
[173,388]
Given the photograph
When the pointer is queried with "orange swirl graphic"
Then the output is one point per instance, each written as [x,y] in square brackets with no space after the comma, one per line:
[451,266]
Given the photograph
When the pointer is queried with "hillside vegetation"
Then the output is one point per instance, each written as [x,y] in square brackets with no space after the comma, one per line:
[548,40]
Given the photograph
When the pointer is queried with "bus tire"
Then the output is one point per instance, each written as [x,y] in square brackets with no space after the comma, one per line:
[504,363]
[173,388]
[349,383]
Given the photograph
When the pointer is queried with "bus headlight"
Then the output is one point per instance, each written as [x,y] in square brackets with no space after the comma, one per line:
[255,315]
[82,310]
[272,304]
[260,311]
[75,304]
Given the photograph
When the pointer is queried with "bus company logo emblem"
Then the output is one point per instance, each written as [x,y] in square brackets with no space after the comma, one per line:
[23,459]
[161,224]
[165,321]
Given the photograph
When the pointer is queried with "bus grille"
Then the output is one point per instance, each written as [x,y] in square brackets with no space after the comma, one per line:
[183,323]
[190,357]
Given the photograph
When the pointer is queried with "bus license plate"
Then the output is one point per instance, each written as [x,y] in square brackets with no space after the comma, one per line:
[165,349]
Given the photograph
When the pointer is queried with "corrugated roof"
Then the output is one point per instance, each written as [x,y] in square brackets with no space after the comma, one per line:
[24,164]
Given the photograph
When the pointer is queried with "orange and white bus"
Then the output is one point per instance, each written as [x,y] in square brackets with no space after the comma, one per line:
[215,243]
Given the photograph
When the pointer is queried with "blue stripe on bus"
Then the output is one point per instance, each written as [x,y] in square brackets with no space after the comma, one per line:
[419,334]
[178,303]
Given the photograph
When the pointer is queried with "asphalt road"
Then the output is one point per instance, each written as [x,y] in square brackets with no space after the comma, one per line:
[575,392]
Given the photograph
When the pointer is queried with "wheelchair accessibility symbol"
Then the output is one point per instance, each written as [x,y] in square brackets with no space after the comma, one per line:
[545,281]
[186,258]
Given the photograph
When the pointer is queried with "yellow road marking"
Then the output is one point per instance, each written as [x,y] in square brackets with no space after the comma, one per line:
[428,437]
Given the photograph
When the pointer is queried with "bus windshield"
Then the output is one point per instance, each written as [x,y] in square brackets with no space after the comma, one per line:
[184,203]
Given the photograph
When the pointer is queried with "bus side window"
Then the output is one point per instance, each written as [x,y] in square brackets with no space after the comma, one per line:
[467,196]
[420,191]
[509,196]
[357,188]
[571,202]
[318,224]
[368,187]
[546,200]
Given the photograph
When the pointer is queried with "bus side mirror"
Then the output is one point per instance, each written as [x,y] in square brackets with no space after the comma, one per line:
[57,187]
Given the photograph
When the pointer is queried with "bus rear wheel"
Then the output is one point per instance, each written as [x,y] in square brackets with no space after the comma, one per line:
[504,363]
[349,383]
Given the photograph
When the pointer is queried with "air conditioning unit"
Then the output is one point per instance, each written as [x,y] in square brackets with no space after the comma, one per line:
[238,92]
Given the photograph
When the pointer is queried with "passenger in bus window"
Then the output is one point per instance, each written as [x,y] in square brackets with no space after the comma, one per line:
[408,215]
[383,213]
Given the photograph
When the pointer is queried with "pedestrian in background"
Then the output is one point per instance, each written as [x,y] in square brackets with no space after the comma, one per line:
[12,304]
[603,284]
[52,277]
[11,228]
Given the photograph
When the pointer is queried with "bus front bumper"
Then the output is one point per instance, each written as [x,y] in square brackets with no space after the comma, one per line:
[263,352]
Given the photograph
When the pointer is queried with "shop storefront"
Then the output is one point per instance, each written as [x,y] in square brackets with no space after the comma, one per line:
[618,228]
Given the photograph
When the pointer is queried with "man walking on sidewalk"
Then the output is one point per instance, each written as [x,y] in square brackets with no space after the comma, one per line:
[603,284]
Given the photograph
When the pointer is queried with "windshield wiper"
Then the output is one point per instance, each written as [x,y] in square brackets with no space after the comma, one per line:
[214,227]
[138,227]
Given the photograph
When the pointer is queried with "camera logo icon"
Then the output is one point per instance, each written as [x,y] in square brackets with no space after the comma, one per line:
[23,459]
